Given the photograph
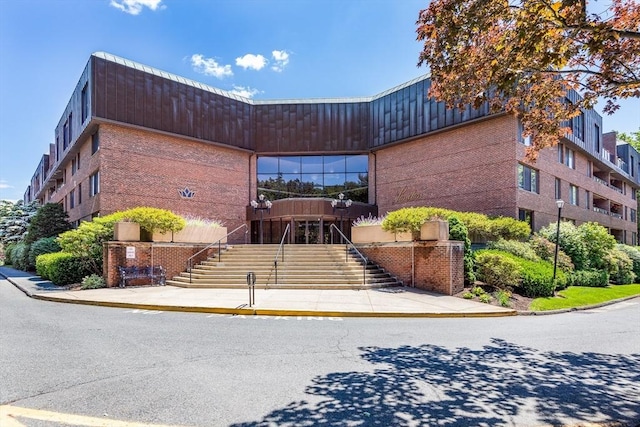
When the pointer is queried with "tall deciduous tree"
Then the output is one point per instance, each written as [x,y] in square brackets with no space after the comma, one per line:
[524,56]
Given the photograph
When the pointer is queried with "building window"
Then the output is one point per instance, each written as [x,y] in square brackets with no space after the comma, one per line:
[526,216]
[596,135]
[72,199]
[79,193]
[527,178]
[633,169]
[634,238]
[74,166]
[558,189]
[65,135]
[282,177]
[577,126]
[573,195]
[590,169]
[85,102]
[587,200]
[570,158]
[94,183]
[560,153]
[633,216]
[526,140]
[95,143]
[634,195]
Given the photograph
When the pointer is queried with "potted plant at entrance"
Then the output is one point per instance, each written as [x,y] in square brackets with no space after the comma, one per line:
[369,230]
[196,230]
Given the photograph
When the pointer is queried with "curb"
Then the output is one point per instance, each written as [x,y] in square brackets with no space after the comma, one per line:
[581,308]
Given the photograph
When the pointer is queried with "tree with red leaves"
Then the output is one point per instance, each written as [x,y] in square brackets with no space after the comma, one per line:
[524,56]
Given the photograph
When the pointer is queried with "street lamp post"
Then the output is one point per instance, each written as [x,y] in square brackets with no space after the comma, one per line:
[261,205]
[341,206]
[559,204]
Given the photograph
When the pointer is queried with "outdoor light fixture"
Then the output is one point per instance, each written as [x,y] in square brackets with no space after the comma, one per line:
[341,206]
[261,205]
[560,205]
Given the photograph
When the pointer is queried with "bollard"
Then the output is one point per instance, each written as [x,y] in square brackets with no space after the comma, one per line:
[251,284]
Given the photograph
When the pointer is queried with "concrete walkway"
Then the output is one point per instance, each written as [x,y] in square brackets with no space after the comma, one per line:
[389,302]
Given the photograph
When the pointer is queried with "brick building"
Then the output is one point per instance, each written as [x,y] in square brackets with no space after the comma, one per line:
[133,135]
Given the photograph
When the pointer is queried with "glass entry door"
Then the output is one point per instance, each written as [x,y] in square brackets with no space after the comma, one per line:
[307,232]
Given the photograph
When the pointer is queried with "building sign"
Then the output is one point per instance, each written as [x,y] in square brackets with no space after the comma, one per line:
[406,195]
[131,252]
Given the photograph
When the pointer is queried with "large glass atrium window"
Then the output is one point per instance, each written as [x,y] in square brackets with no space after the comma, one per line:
[284,177]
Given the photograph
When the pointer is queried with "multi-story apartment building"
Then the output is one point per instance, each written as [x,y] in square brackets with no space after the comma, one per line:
[133,135]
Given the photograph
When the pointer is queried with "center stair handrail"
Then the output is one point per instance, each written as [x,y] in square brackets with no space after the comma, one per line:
[190,260]
[280,249]
[346,251]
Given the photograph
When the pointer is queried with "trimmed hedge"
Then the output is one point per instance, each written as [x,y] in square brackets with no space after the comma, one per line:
[62,268]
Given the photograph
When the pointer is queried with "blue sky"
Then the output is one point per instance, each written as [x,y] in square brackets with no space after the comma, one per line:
[265,49]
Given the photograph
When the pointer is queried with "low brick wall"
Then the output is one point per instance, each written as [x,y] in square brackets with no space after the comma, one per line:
[436,266]
[172,256]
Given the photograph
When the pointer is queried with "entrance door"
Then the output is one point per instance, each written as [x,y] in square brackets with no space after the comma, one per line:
[307,232]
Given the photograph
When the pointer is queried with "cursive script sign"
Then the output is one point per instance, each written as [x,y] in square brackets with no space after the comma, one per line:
[406,195]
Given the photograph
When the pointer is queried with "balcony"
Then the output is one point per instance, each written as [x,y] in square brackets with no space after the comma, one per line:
[619,190]
[600,210]
[616,215]
[600,180]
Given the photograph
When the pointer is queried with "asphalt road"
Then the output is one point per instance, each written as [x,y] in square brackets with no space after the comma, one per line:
[64,364]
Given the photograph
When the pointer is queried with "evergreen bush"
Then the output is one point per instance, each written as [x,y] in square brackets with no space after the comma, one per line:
[20,256]
[496,269]
[458,231]
[42,246]
[620,267]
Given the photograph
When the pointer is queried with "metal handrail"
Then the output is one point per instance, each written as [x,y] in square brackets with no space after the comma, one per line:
[190,260]
[346,253]
[280,248]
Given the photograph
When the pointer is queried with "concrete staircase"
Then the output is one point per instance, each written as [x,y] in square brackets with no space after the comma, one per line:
[304,267]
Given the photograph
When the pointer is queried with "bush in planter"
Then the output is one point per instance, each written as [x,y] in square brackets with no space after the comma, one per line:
[497,270]
[154,219]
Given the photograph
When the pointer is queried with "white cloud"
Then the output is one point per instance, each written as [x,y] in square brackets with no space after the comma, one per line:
[134,7]
[210,66]
[245,92]
[4,184]
[254,62]
[281,58]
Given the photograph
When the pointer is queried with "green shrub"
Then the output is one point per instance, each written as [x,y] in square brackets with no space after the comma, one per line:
[8,253]
[620,267]
[598,242]
[485,298]
[503,297]
[458,231]
[515,247]
[479,226]
[496,269]
[634,253]
[545,249]
[93,281]
[20,256]
[590,278]
[467,295]
[45,245]
[48,221]
[154,219]
[66,270]
[45,262]
[571,242]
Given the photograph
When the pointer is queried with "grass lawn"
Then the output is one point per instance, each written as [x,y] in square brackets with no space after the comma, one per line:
[578,296]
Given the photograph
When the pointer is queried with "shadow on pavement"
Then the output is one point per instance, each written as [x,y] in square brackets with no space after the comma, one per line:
[500,384]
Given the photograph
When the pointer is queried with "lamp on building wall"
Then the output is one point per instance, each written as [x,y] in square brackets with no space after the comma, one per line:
[341,205]
[559,204]
[261,205]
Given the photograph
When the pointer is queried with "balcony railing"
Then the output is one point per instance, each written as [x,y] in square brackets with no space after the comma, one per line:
[600,180]
[616,215]
[619,190]
[600,210]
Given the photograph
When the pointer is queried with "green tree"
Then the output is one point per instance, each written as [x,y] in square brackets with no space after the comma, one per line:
[632,138]
[525,56]
[49,221]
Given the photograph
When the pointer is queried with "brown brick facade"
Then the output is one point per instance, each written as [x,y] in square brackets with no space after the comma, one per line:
[432,266]
[172,256]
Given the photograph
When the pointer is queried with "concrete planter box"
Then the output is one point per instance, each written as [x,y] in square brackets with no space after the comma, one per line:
[193,234]
[126,232]
[435,230]
[375,234]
